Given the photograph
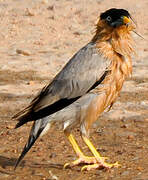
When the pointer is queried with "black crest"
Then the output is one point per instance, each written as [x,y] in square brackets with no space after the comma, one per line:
[114,17]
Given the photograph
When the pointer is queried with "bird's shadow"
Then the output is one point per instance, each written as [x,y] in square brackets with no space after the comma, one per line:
[6,162]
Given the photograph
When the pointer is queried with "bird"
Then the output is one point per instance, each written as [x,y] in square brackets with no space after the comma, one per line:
[87,85]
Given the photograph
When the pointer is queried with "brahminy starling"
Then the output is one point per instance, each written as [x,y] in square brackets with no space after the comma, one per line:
[87,85]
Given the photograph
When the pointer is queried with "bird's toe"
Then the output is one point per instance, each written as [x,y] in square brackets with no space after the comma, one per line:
[81,160]
[100,166]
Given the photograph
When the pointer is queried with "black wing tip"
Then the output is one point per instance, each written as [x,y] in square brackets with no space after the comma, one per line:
[25,150]
[19,160]
[27,147]
[18,125]
[16,165]
[23,120]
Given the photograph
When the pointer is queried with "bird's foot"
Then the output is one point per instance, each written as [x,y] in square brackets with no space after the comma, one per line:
[100,160]
[83,160]
[100,165]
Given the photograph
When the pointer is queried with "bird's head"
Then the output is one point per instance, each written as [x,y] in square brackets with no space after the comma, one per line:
[114,21]
[115,27]
[116,17]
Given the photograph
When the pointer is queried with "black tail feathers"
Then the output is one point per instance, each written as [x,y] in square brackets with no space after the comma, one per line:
[36,131]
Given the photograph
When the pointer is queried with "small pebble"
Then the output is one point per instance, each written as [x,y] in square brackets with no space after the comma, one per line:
[23,52]
[139,168]
[10,127]
[29,12]
[124,126]
[130,137]
[31,83]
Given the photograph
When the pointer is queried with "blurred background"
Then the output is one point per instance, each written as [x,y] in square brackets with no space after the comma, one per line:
[37,37]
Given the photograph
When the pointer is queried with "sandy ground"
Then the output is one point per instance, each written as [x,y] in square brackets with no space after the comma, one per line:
[37,37]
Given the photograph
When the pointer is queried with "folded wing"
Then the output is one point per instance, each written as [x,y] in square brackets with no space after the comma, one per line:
[85,69]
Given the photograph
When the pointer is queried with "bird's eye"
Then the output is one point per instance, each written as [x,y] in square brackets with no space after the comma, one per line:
[108,18]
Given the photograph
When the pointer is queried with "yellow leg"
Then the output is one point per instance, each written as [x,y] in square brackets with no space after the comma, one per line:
[100,160]
[74,144]
[81,157]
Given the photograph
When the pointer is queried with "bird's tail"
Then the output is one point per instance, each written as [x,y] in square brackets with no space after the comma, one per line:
[39,128]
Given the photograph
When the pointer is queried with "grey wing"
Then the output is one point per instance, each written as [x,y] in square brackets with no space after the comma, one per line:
[79,75]
[83,70]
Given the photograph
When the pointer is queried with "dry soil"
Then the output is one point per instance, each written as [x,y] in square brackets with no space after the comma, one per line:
[37,37]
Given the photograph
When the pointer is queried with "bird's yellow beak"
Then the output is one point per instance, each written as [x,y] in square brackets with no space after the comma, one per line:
[126,20]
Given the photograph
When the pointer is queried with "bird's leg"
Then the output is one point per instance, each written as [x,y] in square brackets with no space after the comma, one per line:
[100,160]
[81,157]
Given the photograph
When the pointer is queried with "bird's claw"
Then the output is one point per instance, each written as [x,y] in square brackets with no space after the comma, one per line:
[109,165]
[93,163]
[89,167]
[66,165]
[99,165]
[81,160]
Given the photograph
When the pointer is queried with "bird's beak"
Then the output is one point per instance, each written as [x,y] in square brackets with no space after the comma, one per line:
[126,20]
